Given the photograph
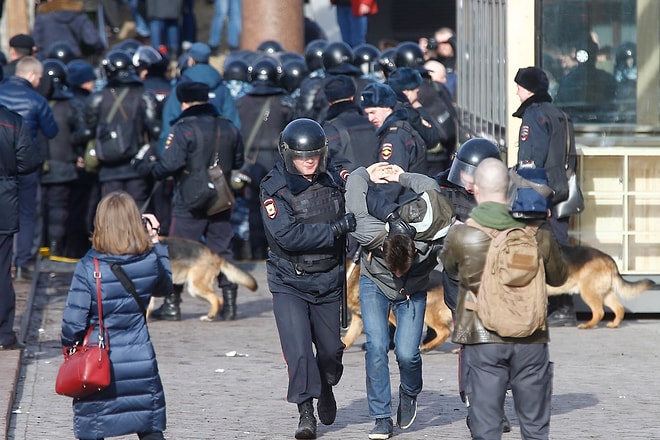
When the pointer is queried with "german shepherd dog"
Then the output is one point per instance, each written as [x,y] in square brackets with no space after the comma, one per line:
[197,267]
[437,315]
[595,276]
[592,274]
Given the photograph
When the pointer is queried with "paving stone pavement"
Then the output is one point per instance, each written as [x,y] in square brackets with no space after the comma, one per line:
[227,380]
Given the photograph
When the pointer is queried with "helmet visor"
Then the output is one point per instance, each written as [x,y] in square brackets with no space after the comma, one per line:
[462,174]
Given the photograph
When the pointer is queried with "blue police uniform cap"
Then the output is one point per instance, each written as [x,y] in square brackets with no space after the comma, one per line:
[377,95]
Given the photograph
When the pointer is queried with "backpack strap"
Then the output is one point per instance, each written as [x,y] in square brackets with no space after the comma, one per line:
[253,133]
[117,105]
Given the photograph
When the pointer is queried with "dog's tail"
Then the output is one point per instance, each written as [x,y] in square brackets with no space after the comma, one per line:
[238,276]
[627,289]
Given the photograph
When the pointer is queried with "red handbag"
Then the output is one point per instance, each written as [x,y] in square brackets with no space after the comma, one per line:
[86,368]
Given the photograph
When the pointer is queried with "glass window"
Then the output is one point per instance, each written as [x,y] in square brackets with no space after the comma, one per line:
[589,51]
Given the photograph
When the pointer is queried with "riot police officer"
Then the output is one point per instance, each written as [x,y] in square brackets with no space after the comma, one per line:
[123,102]
[264,111]
[302,201]
[59,170]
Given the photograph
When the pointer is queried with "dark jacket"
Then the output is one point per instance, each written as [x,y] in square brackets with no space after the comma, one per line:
[63,21]
[264,127]
[352,140]
[542,140]
[59,153]
[464,256]
[182,140]
[221,98]
[18,155]
[17,94]
[134,401]
[148,128]
[300,236]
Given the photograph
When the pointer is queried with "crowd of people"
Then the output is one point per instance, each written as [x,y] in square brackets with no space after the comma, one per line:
[343,150]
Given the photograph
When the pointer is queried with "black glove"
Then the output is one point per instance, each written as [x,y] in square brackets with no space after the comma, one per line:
[142,166]
[399,226]
[343,224]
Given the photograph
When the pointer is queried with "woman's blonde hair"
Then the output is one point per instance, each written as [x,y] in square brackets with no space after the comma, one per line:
[118,227]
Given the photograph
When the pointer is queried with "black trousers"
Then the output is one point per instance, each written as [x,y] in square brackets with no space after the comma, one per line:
[304,326]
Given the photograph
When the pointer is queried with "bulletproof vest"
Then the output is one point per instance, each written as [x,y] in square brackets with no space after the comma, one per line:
[462,200]
[317,204]
[359,144]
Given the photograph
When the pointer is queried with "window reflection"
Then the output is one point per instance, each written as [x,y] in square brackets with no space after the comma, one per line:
[589,53]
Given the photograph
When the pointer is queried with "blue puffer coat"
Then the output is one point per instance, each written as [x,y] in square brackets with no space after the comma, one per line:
[134,401]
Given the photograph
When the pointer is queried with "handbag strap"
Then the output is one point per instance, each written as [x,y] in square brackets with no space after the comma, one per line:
[217,142]
[97,277]
[128,285]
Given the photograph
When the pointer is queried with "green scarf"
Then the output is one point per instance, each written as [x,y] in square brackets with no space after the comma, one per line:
[494,215]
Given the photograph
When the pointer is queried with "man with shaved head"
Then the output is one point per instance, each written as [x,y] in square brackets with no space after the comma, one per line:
[490,362]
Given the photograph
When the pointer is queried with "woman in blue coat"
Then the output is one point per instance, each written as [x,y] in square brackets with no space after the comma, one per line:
[134,402]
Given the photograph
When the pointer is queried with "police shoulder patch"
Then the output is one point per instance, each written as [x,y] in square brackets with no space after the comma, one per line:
[524,133]
[386,151]
[271,208]
[168,141]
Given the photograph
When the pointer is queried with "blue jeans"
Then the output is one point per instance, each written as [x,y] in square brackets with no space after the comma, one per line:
[170,28]
[188,22]
[410,323]
[223,8]
[353,29]
[141,27]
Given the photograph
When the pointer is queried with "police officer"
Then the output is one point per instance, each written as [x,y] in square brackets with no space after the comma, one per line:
[352,140]
[399,144]
[264,111]
[59,171]
[303,211]
[307,104]
[123,102]
[197,128]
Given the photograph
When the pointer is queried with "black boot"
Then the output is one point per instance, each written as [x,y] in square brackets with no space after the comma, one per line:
[228,312]
[170,310]
[327,405]
[307,423]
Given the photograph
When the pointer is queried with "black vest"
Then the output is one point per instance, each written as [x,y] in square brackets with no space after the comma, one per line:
[317,204]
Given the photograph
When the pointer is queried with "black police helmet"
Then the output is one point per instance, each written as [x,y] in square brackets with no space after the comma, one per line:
[237,70]
[293,73]
[303,138]
[145,57]
[270,46]
[468,156]
[366,57]
[118,64]
[336,55]
[408,54]
[386,60]
[267,71]
[129,45]
[61,50]
[314,54]
[55,69]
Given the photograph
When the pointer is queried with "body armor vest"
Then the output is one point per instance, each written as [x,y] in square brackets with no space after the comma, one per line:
[317,204]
